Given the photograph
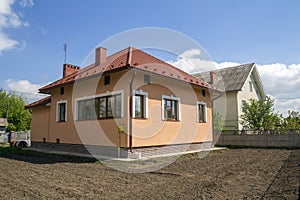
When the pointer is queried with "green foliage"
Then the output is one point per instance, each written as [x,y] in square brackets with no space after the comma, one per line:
[19,119]
[218,121]
[292,121]
[259,115]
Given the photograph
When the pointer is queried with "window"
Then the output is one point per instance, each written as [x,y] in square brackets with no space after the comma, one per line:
[201,112]
[61,111]
[146,79]
[171,106]
[110,106]
[250,86]
[107,80]
[203,93]
[87,109]
[140,104]
[243,105]
[62,90]
[102,106]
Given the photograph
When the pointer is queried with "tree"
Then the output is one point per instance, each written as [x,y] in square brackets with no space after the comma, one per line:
[12,105]
[259,115]
[292,121]
[218,121]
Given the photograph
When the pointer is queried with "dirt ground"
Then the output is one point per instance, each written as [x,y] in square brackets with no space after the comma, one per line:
[226,174]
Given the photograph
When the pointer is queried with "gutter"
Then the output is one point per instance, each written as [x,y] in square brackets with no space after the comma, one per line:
[131,109]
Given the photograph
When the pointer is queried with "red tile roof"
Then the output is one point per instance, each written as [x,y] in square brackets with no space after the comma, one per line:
[40,102]
[126,59]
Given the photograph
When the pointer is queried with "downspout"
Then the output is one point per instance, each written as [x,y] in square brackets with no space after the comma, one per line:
[131,110]
[130,97]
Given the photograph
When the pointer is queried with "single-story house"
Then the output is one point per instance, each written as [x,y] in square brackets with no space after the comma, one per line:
[129,100]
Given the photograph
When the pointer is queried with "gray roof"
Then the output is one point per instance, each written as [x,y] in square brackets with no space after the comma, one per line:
[229,79]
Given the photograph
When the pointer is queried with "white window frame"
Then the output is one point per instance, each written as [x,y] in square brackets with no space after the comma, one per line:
[243,102]
[145,106]
[250,86]
[58,111]
[205,111]
[108,93]
[164,97]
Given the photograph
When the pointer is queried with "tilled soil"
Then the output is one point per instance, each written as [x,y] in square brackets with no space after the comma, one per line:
[225,174]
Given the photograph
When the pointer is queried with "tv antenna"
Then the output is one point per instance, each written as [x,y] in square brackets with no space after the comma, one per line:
[65,52]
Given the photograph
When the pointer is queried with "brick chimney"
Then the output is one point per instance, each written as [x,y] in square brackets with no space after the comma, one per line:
[69,69]
[100,55]
[213,78]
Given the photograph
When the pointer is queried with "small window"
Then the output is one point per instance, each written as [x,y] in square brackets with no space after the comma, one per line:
[62,90]
[61,112]
[140,104]
[171,109]
[243,105]
[201,112]
[146,79]
[203,93]
[250,86]
[107,80]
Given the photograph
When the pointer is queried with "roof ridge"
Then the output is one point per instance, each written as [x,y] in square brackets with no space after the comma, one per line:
[176,68]
[228,68]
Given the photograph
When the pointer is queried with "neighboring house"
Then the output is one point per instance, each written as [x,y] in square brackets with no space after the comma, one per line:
[168,110]
[240,83]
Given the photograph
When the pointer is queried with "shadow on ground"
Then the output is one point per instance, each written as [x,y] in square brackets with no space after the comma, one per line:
[35,157]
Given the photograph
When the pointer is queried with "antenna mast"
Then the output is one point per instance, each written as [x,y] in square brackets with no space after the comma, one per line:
[65,52]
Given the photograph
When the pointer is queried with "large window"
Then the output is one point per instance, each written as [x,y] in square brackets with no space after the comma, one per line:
[201,111]
[100,107]
[61,113]
[170,108]
[140,104]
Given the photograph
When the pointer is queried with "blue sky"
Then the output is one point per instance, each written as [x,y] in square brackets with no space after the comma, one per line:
[264,32]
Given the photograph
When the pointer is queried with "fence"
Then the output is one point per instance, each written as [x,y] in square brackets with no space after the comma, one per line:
[279,139]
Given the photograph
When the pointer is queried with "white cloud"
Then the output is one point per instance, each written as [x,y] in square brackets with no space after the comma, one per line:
[26,3]
[26,88]
[280,81]
[190,61]
[9,19]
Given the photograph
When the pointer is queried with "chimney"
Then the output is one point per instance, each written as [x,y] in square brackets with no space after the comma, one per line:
[100,55]
[69,69]
[213,78]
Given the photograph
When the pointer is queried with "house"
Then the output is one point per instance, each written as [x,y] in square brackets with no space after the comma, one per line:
[123,104]
[240,83]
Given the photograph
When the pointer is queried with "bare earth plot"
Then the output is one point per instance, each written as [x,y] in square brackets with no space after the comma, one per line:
[226,174]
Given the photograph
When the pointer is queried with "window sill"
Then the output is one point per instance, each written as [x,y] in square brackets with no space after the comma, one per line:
[171,120]
[97,119]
